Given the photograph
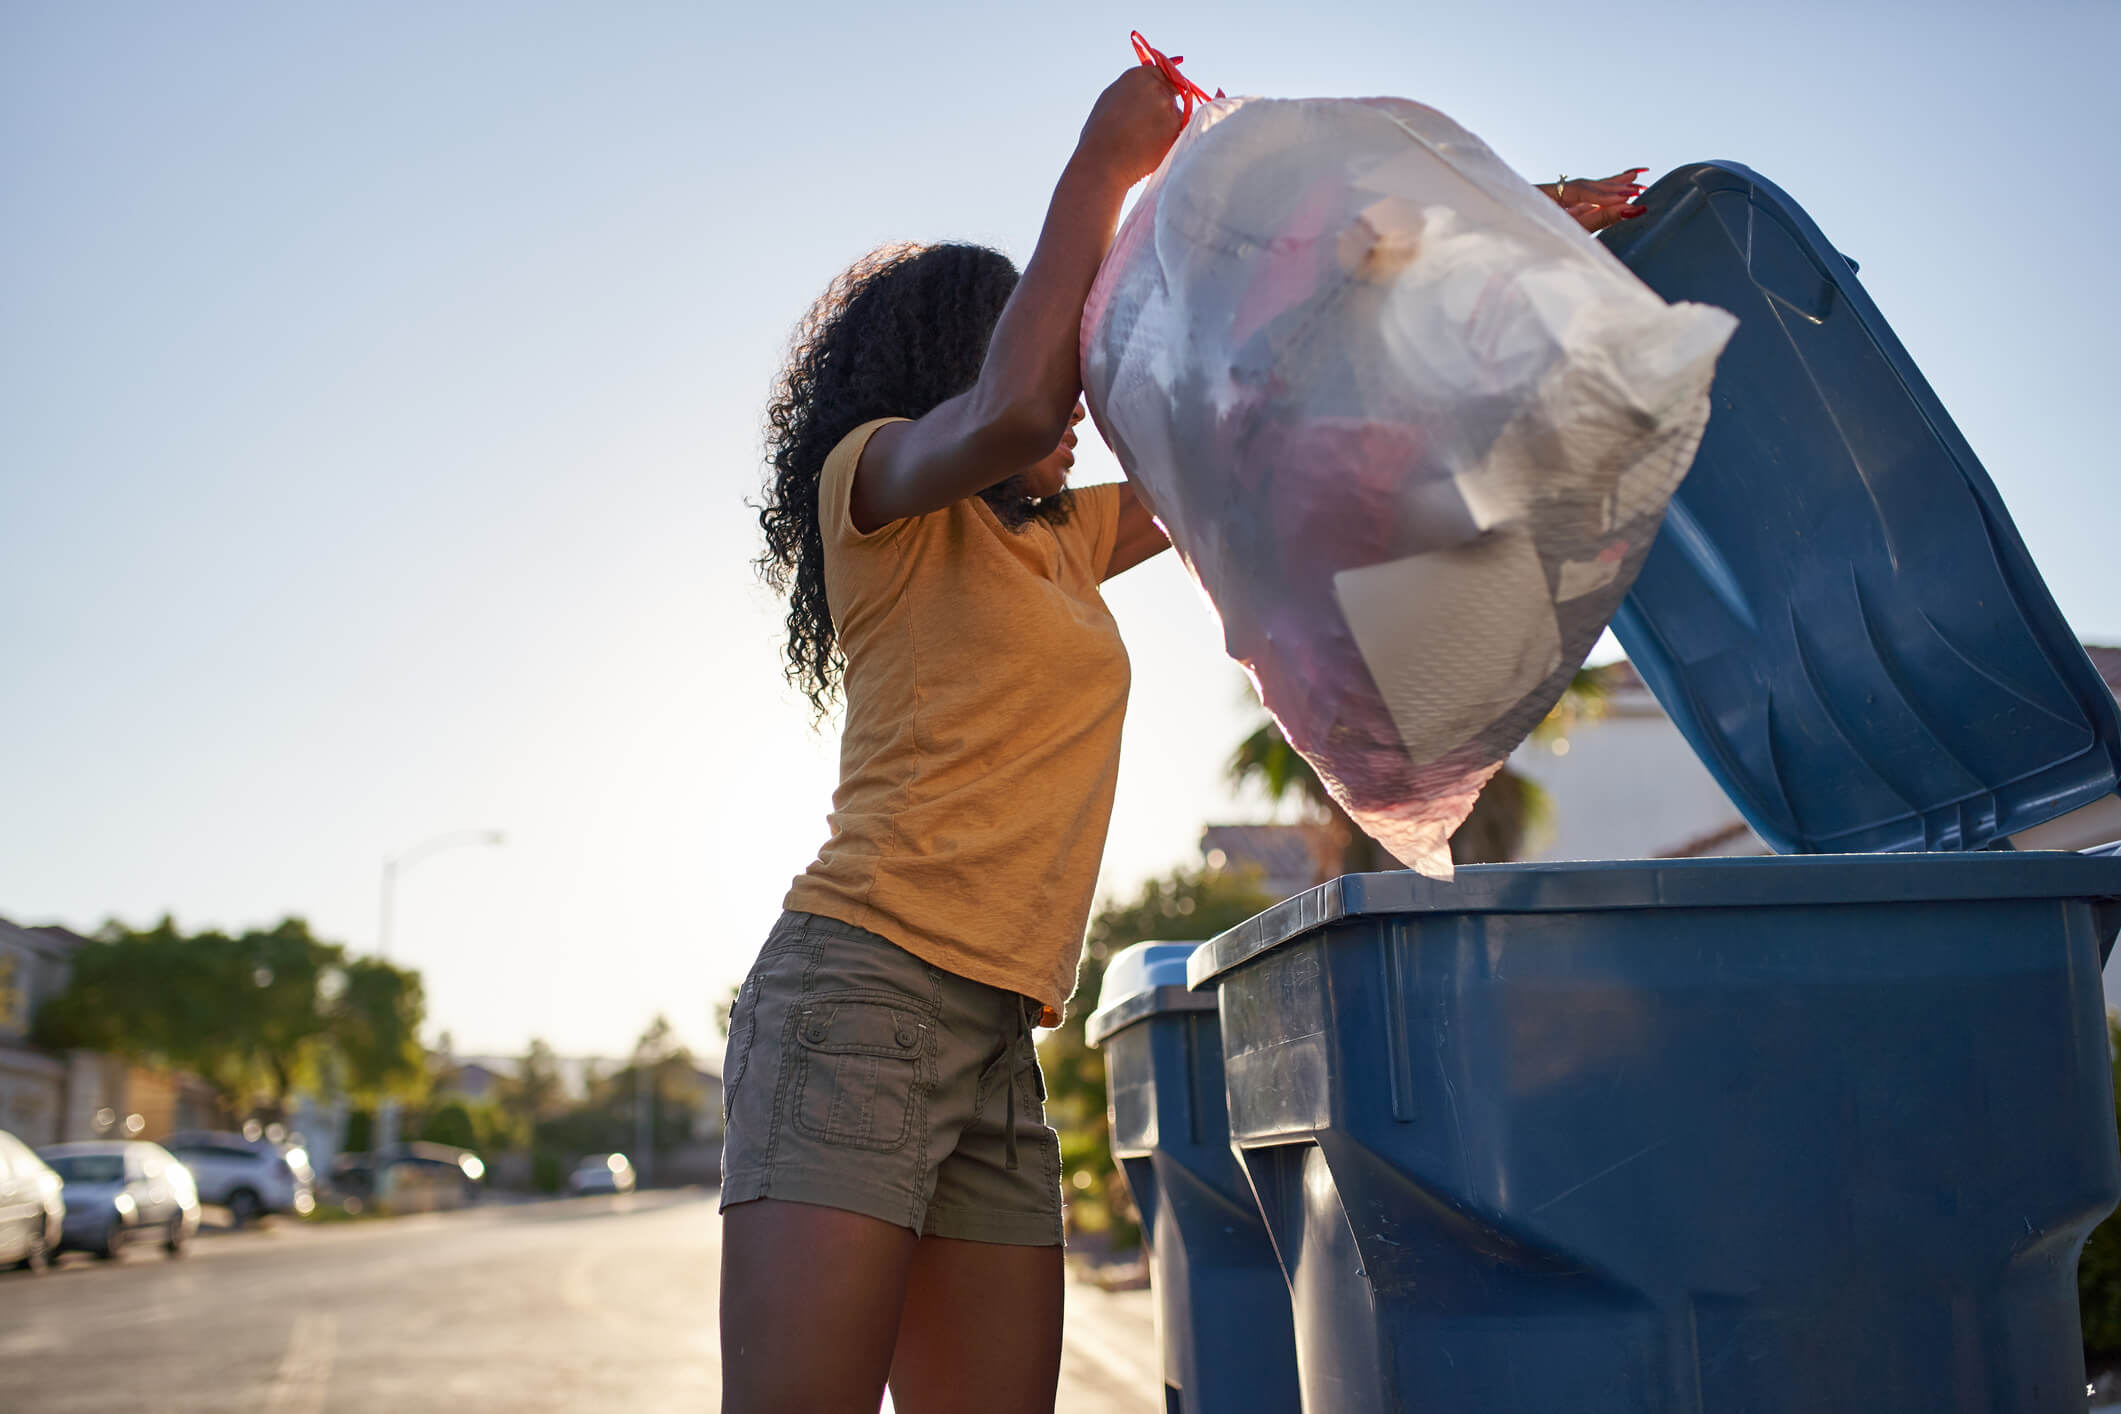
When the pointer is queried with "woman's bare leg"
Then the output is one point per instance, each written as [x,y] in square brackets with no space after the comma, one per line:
[810,1307]
[981,1330]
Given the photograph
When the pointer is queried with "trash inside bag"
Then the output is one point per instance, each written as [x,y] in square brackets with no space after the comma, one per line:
[1411,429]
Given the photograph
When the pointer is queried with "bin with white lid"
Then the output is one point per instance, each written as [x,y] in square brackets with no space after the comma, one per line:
[1222,1306]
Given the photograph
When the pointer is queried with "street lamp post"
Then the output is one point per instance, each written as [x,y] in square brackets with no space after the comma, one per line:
[386,1125]
[393,864]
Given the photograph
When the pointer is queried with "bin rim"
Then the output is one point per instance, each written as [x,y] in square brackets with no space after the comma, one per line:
[1600,886]
[1144,980]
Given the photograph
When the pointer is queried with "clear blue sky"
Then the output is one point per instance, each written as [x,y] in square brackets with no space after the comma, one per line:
[380,394]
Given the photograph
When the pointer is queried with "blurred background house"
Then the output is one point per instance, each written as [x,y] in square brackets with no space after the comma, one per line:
[33,1083]
[1625,785]
[48,1097]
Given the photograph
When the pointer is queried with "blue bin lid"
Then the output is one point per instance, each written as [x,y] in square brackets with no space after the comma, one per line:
[1839,615]
[1142,981]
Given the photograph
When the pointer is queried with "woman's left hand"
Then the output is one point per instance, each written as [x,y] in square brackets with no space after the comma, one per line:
[1597,204]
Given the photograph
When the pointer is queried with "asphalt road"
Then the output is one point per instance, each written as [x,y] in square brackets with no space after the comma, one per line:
[590,1304]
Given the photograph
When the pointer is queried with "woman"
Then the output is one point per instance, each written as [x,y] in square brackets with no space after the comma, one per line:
[891,1189]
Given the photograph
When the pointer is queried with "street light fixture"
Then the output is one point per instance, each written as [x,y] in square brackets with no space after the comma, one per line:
[393,864]
[386,1121]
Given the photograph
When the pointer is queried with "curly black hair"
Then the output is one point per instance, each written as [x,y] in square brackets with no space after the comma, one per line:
[901,330]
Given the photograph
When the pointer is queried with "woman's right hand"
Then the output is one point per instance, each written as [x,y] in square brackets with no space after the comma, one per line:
[1133,125]
[1597,204]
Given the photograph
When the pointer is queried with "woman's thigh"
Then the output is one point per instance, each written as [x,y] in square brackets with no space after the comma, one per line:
[981,1328]
[810,1307]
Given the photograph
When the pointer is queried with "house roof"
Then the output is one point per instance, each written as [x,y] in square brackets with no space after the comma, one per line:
[51,940]
[2108,662]
[1711,842]
[1281,853]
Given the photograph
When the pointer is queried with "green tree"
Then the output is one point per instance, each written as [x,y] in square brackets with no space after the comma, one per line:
[450,1123]
[258,1015]
[658,1044]
[1185,905]
[534,1094]
[496,1129]
[663,1077]
[1511,811]
[658,1080]
[127,995]
[376,1015]
[286,1014]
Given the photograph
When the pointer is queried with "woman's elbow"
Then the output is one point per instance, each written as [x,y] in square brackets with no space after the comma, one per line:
[1018,431]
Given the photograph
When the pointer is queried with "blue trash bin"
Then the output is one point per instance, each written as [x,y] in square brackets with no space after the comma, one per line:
[1717,1135]
[1772,1134]
[1222,1306]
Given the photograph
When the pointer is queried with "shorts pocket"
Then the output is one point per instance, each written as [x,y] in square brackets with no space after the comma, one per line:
[858,1069]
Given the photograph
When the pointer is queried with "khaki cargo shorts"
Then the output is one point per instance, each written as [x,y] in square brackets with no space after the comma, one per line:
[860,1077]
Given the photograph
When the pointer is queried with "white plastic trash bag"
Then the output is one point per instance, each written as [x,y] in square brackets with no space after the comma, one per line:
[1411,429]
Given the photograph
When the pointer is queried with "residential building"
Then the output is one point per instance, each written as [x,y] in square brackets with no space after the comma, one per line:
[47,1097]
[34,965]
[1625,785]
[1284,859]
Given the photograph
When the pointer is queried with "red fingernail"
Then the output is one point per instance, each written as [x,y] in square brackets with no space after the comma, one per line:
[1633,212]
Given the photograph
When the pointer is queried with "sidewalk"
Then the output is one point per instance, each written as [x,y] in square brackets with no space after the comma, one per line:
[1109,1359]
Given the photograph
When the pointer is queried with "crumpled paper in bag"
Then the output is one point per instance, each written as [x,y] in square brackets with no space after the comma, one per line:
[1411,429]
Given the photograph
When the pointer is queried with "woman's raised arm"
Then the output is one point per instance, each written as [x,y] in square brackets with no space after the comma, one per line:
[1018,411]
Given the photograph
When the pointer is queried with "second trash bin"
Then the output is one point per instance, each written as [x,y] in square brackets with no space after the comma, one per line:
[1222,1306]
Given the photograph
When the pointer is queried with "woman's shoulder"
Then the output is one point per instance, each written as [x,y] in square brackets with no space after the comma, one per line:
[835,487]
[847,452]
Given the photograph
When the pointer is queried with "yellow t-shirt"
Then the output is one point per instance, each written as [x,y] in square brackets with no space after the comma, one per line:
[985,686]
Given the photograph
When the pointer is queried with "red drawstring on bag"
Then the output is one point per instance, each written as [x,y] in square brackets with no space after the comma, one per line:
[1167,65]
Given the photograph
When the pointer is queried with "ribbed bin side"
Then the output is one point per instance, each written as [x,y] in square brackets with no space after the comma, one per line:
[1745,1158]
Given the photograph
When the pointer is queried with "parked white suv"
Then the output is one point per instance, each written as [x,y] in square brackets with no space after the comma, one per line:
[249,1177]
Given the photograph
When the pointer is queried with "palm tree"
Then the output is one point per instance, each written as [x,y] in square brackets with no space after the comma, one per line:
[1511,809]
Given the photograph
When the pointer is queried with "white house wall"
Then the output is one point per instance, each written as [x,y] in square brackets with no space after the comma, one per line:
[1629,788]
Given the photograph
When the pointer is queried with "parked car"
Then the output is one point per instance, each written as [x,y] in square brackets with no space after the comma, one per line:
[601,1173]
[32,1210]
[249,1177]
[417,1177]
[118,1190]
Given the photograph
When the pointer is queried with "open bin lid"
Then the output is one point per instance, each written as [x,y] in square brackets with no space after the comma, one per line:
[1143,981]
[1839,615]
